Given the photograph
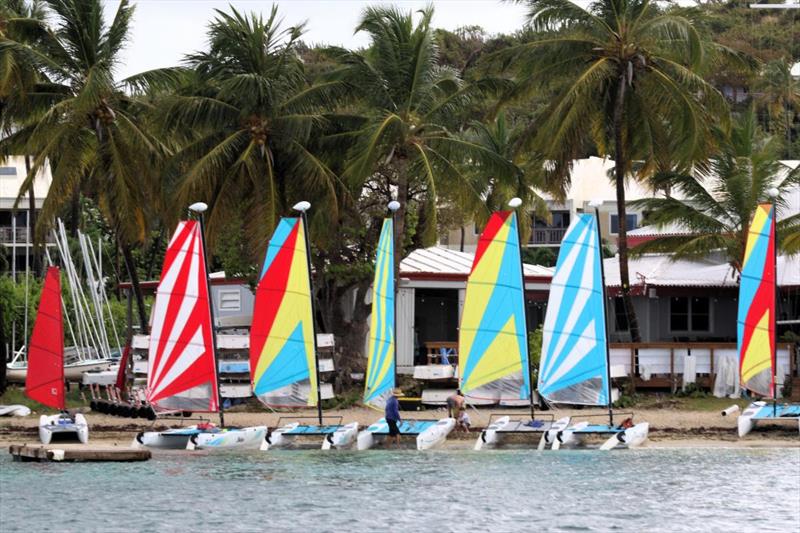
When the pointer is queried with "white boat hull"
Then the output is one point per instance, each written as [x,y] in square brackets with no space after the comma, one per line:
[249,438]
[342,438]
[551,435]
[745,421]
[55,424]
[73,372]
[276,439]
[14,410]
[435,435]
[489,437]
[163,440]
[632,437]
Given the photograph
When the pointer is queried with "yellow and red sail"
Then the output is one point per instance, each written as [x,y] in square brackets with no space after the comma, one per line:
[756,317]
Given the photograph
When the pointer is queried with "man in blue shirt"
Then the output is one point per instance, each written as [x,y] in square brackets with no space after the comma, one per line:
[392,416]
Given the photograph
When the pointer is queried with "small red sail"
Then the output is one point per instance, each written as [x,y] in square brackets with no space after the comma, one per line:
[45,379]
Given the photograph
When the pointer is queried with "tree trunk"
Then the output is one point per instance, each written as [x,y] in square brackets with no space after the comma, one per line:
[75,214]
[400,219]
[154,248]
[620,165]
[463,234]
[137,289]
[3,352]
[36,265]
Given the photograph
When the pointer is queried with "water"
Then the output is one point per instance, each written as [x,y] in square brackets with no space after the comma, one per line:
[642,490]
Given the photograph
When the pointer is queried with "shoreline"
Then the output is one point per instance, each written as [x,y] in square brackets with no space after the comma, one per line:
[669,428]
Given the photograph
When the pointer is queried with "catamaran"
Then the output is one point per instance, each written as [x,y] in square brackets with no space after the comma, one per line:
[182,368]
[493,357]
[284,361]
[574,366]
[381,352]
[756,323]
[44,381]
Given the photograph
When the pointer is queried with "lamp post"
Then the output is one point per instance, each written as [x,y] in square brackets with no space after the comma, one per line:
[199,208]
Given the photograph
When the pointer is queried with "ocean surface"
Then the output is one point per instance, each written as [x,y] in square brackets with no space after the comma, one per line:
[448,490]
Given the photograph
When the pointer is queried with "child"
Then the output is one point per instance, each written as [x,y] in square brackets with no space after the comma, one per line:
[463,421]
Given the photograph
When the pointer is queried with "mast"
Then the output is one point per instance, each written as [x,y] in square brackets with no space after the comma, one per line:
[200,208]
[393,206]
[596,206]
[303,207]
[514,203]
[773,194]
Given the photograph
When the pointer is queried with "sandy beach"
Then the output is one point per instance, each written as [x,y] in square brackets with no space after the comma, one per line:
[668,427]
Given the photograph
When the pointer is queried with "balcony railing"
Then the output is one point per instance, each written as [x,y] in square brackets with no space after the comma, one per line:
[547,235]
[7,236]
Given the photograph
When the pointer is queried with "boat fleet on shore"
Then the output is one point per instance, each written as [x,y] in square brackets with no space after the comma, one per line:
[493,345]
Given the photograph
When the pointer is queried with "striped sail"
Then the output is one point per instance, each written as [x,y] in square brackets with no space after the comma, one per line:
[573,367]
[44,381]
[282,360]
[492,342]
[756,317]
[181,370]
[381,350]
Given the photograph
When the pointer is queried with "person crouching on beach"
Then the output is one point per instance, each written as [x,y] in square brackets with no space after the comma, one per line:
[463,421]
[392,416]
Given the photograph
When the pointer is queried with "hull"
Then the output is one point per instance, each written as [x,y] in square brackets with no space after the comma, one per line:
[766,411]
[75,427]
[276,438]
[630,438]
[745,421]
[250,438]
[171,439]
[489,436]
[73,373]
[14,410]
[342,438]
[435,435]
[551,436]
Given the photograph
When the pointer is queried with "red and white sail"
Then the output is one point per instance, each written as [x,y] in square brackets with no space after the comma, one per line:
[45,379]
[181,366]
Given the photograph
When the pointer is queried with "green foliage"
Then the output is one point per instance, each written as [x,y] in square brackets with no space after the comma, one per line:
[535,339]
[16,395]
[540,256]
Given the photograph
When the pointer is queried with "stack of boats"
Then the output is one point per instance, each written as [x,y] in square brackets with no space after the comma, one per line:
[284,367]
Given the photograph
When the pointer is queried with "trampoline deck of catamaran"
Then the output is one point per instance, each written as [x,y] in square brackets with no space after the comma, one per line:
[308,430]
[778,412]
[406,427]
[538,424]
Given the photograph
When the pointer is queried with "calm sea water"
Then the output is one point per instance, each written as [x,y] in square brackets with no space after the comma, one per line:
[643,490]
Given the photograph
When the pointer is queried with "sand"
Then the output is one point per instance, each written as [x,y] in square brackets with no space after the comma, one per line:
[668,427]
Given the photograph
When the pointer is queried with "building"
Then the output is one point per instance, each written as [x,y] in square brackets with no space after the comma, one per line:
[15,236]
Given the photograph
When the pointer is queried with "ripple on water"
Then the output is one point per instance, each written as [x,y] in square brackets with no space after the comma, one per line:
[646,490]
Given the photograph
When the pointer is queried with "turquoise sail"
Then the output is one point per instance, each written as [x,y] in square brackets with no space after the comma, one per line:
[573,367]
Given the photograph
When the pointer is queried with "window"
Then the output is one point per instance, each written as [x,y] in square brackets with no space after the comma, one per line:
[620,315]
[631,222]
[689,314]
[8,171]
[560,219]
[230,300]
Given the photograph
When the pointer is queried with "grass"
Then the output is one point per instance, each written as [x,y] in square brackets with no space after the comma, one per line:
[16,395]
[693,402]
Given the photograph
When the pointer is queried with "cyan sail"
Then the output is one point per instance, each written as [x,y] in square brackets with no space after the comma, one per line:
[492,341]
[381,351]
[573,367]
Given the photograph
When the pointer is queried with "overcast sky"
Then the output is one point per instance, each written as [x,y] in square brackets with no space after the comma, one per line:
[165,30]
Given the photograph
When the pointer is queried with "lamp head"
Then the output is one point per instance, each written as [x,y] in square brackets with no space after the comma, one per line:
[301,206]
[773,193]
[199,207]
[394,205]
[515,202]
[596,203]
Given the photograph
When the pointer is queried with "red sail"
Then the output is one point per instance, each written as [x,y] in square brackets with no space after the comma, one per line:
[45,379]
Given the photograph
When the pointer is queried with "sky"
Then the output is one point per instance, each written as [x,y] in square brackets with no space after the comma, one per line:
[165,30]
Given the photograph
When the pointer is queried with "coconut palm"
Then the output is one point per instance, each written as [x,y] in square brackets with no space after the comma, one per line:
[625,75]
[91,132]
[409,101]
[715,206]
[246,115]
[779,93]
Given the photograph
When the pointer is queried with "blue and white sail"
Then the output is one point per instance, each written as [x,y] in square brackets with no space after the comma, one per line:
[573,366]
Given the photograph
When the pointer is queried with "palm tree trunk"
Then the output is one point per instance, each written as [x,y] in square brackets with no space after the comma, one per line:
[3,353]
[400,221]
[463,235]
[620,165]
[137,289]
[35,256]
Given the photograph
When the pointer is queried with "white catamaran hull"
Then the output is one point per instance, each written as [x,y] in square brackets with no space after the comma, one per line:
[436,434]
[489,436]
[250,438]
[342,438]
[171,439]
[73,372]
[276,438]
[745,421]
[57,424]
[14,410]
[632,437]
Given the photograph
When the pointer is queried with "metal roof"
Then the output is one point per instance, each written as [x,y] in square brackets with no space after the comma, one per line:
[437,261]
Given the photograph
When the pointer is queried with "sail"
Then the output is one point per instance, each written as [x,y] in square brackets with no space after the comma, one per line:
[492,342]
[381,350]
[44,381]
[181,364]
[573,366]
[282,359]
[756,317]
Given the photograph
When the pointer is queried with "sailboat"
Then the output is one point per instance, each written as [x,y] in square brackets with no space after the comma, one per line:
[284,361]
[574,366]
[44,381]
[493,357]
[182,368]
[756,323]
[380,378]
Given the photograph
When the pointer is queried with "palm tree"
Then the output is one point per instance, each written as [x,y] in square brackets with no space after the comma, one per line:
[716,205]
[246,114]
[779,93]
[91,132]
[405,137]
[626,76]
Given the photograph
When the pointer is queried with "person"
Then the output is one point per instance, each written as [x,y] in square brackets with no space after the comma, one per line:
[392,416]
[463,421]
[455,404]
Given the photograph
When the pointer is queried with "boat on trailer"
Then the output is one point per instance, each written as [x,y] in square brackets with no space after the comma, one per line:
[284,359]
[756,321]
[574,367]
[381,376]
[182,371]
